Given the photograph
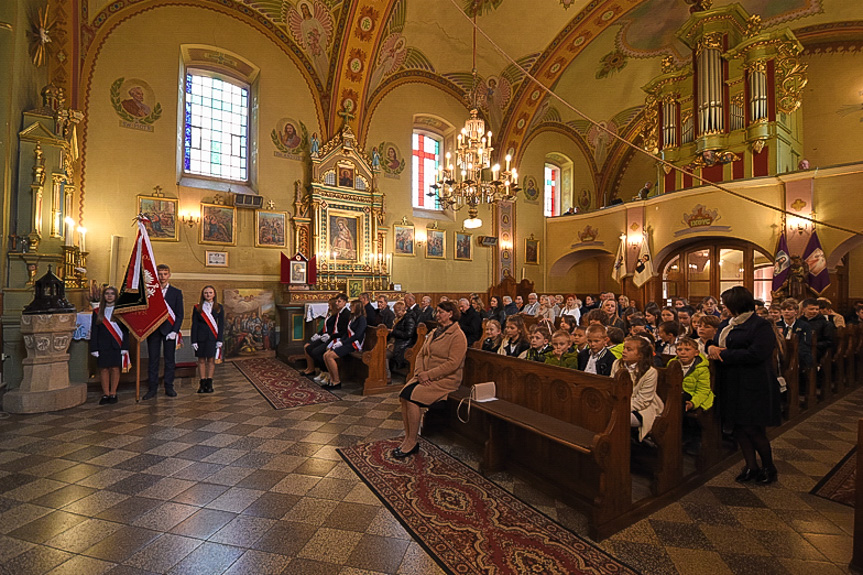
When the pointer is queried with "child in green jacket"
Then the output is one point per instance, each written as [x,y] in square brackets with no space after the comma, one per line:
[696,375]
[561,353]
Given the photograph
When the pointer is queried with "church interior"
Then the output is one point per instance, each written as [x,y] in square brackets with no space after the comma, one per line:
[555,146]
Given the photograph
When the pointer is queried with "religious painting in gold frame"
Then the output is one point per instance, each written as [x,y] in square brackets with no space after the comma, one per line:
[462,246]
[344,236]
[218,225]
[162,213]
[270,229]
[435,244]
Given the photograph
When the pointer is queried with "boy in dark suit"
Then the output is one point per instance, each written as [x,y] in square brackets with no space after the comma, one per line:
[166,336]
[596,358]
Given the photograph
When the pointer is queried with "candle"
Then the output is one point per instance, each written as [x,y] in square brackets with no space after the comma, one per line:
[70,232]
[508,160]
[82,237]
[522,273]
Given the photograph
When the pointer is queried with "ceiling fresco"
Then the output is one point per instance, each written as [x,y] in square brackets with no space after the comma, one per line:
[354,52]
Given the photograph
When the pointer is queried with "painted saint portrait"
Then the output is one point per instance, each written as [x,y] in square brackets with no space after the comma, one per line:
[392,160]
[404,240]
[436,244]
[162,213]
[218,224]
[462,246]
[346,177]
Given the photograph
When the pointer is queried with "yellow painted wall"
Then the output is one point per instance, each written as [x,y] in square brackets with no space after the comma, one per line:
[833,109]
[123,163]
[530,214]
[640,169]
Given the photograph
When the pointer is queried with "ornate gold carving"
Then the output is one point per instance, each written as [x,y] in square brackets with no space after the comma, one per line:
[667,65]
[710,41]
[757,146]
[737,99]
[650,132]
[753,26]
[790,77]
[699,5]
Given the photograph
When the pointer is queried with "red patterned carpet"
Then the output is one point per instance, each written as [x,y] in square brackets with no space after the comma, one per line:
[840,484]
[281,385]
[466,522]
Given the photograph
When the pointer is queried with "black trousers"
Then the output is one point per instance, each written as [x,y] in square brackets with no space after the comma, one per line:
[155,344]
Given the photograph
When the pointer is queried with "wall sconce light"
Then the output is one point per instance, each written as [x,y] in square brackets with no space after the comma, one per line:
[798,225]
[505,245]
[421,238]
[190,219]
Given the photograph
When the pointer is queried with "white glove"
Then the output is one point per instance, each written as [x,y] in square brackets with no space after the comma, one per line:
[172,335]
[94,353]
[325,338]
[337,344]
[218,344]
[195,346]
[316,337]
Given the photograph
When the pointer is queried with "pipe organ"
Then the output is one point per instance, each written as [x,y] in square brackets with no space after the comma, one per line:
[732,110]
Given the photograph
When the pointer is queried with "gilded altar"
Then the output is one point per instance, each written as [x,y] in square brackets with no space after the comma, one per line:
[338,218]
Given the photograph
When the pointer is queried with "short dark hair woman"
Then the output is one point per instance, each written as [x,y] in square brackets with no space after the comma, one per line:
[438,371]
[747,383]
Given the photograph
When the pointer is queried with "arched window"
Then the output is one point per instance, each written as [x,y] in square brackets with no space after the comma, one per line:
[426,159]
[553,190]
[713,266]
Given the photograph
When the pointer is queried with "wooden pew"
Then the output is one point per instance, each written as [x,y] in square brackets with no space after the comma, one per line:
[565,428]
[412,352]
[666,465]
[370,365]
[712,450]
[791,372]
[856,564]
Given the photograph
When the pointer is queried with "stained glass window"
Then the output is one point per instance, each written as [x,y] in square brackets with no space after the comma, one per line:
[552,190]
[216,131]
[426,158]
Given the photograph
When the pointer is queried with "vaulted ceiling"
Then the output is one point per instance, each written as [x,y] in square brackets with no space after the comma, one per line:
[538,61]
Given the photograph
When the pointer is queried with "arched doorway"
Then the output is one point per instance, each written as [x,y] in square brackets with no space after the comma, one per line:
[710,267]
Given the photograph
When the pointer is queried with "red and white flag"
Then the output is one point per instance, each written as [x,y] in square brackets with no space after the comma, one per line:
[140,304]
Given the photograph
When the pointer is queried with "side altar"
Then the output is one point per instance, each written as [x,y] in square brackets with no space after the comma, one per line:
[337,224]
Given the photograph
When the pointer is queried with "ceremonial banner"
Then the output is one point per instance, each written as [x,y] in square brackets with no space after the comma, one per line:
[619,269]
[814,257]
[644,266]
[140,304]
[781,263]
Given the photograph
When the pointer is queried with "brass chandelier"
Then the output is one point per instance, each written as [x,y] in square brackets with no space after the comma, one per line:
[472,180]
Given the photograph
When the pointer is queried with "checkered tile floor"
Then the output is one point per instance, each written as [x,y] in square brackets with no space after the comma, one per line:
[223,483]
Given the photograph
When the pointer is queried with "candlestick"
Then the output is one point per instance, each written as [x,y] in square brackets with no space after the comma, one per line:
[70,232]
[82,236]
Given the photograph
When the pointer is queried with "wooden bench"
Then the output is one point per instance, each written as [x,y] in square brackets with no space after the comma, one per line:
[568,429]
[369,365]
[412,352]
[666,467]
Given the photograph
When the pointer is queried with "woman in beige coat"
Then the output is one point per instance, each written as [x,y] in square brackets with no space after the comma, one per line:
[438,372]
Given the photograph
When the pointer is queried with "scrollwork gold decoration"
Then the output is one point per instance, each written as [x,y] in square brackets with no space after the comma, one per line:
[791,78]
[650,132]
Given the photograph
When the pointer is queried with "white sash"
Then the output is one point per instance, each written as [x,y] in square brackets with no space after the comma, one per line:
[112,326]
[209,320]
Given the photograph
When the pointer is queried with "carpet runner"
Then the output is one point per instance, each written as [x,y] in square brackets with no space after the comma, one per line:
[281,385]
[839,485]
[466,522]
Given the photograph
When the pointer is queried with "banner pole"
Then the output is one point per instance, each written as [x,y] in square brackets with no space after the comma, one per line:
[138,374]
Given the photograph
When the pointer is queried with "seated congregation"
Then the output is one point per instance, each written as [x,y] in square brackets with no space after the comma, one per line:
[591,396]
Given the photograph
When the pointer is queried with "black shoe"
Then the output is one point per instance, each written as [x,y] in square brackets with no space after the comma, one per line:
[105,400]
[202,386]
[170,393]
[332,386]
[767,475]
[208,385]
[399,454]
[747,475]
[149,395]
[112,399]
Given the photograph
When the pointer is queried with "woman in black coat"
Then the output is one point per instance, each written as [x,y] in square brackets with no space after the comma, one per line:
[208,336]
[109,344]
[401,336]
[748,388]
